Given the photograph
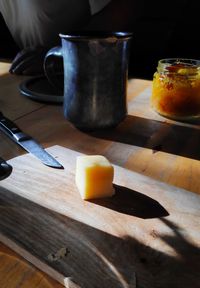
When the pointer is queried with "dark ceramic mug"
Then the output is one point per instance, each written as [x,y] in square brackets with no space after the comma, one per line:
[95,77]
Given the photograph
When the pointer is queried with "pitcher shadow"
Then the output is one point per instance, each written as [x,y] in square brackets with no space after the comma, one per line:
[156,135]
[127,201]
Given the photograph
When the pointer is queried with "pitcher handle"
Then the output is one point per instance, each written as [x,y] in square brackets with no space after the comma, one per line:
[52,68]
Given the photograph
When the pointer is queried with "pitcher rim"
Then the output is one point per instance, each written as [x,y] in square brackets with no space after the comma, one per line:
[96,35]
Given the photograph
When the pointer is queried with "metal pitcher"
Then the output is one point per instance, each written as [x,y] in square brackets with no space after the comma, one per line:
[95,77]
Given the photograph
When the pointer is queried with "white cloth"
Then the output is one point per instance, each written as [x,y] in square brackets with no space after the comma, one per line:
[38,22]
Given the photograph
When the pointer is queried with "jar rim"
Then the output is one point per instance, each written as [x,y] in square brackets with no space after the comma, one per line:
[185,61]
[182,66]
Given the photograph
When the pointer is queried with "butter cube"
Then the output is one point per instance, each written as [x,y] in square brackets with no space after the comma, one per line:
[94,177]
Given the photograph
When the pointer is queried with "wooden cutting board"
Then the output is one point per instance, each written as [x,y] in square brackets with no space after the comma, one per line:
[146,236]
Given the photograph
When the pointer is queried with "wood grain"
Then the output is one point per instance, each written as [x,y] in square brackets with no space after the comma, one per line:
[140,236]
[146,143]
[11,102]
[165,151]
[13,105]
[17,272]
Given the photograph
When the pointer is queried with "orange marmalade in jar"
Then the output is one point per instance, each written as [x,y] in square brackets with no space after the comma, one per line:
[176,89]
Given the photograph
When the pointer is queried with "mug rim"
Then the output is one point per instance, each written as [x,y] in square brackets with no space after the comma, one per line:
[96,34]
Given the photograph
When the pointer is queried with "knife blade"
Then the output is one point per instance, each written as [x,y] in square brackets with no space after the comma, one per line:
[27,142]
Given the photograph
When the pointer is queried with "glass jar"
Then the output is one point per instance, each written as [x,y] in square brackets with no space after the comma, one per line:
[176,89]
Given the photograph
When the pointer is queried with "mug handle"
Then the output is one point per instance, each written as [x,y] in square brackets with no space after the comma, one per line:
[52,68]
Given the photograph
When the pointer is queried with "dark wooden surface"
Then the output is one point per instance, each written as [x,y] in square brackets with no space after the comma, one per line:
[145,232]
[152,151]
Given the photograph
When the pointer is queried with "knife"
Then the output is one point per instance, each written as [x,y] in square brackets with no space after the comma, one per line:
[27,142]
[5,169]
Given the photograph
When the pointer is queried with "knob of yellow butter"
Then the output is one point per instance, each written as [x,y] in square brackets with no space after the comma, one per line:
[94,177]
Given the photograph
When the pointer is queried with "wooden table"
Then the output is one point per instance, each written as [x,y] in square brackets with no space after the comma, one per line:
[144,142]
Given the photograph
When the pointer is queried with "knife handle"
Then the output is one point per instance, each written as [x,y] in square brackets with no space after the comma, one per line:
[11,129]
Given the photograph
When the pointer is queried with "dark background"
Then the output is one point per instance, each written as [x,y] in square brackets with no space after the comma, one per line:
[161,29]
